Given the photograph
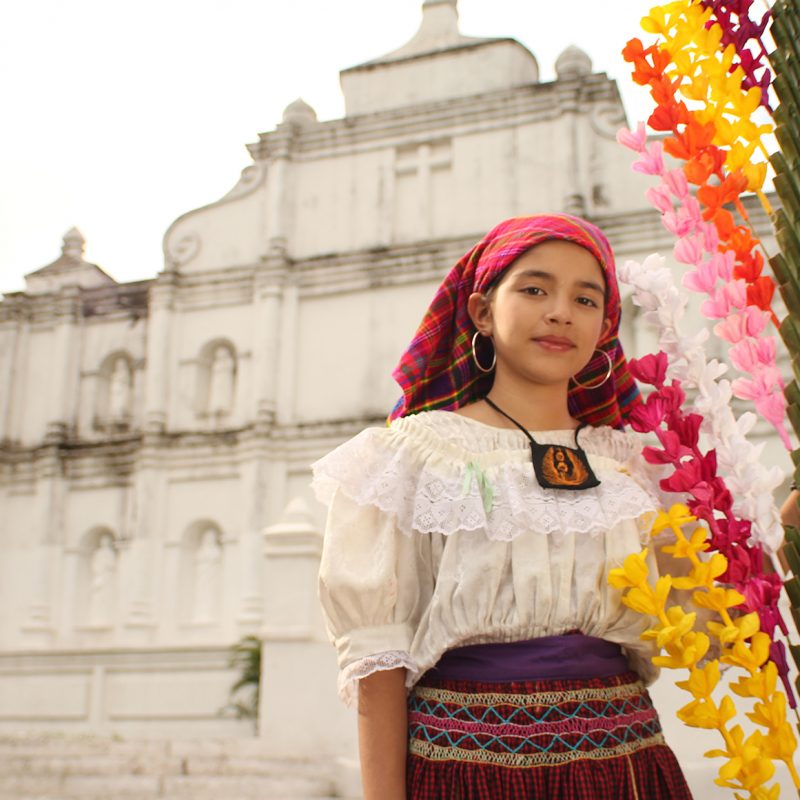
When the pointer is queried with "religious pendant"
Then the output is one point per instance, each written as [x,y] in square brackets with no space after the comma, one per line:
[555,465]
[559,467]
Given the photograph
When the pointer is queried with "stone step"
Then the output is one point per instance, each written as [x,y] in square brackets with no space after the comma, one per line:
[42,767]
[154,787]
[135,764]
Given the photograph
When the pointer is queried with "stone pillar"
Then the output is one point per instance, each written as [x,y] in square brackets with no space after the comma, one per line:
[574,201]
[297,660]
[39,624]
[11,340]
[287,355]
[159,334]
[250,579]
[65,366]
[266,344]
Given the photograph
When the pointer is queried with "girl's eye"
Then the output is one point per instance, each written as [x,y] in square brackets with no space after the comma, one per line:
[534,290]
[587,301]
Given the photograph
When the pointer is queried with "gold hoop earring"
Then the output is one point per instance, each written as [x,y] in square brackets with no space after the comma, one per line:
[606,377]
[475,355]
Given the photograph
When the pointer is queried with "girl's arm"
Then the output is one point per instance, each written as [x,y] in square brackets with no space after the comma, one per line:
[383,734]
[790,513]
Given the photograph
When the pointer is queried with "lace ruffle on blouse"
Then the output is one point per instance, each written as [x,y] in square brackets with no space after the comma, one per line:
[439,472]
[349,677]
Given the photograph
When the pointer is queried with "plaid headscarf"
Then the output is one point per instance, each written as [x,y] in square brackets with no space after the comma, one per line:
[437,370]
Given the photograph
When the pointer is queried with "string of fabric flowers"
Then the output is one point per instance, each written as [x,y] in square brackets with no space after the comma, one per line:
[708,75]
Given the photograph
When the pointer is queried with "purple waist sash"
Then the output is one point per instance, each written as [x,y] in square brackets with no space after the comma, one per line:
[549,657]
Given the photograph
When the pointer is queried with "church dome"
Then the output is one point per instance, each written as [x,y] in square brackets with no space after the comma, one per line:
[573,63]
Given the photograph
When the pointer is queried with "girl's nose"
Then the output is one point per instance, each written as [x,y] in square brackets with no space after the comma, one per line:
[560,310]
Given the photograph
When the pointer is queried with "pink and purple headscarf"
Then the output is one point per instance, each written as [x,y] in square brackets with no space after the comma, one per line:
[437,370]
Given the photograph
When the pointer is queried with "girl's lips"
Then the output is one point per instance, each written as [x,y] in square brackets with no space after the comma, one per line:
[554,344]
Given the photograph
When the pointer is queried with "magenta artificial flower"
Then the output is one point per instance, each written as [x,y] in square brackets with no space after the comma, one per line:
[650,369]
[647,416]
[687,429]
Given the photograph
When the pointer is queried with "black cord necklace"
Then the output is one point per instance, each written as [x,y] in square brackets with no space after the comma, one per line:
[557,466]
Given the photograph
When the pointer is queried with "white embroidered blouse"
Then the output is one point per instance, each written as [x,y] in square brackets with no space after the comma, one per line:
[438,536]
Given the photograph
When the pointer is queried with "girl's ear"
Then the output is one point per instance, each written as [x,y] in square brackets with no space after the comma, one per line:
[604,329]
[479,309]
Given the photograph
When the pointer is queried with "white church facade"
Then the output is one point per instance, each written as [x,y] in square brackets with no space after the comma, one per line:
[156,436]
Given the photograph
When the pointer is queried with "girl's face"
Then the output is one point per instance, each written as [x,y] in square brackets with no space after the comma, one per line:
[546,314]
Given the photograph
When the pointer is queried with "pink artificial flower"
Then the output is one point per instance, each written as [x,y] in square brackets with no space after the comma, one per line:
[724,264]
[675,181]
[711,237]
[692,210]
[749,355]
[659,197]
[773,408]
[687,219]
[718,306]
[703,279]
[651,161]
[749,322]
[689,249]
[633,140]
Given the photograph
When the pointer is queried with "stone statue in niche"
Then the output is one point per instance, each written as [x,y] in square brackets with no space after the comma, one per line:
[221,378]
[119,392]
[103,567]
[207,564]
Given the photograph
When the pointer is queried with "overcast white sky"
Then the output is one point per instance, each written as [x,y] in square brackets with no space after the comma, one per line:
[118,117]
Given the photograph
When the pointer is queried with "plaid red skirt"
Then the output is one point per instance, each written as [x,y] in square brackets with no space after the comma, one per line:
[587,739]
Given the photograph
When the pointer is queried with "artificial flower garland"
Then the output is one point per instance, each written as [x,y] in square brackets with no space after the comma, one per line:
[716,141]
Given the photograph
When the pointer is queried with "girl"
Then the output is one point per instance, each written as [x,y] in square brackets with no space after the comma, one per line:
[468,543]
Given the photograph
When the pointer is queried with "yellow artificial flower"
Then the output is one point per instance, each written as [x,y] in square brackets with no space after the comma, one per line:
[749,656]
[706,714]
[703,573]
[687,653]
[717,599]
[761,684]
[702,682]
[633,572]
[677,516]
[770,714]
[686,548]
[781,743]
[680,623]
[641,600]
[742,628]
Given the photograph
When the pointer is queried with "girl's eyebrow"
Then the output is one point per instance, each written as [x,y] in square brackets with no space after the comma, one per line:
[546,276]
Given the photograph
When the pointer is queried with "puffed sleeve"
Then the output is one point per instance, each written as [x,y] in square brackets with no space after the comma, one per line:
[374,584]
